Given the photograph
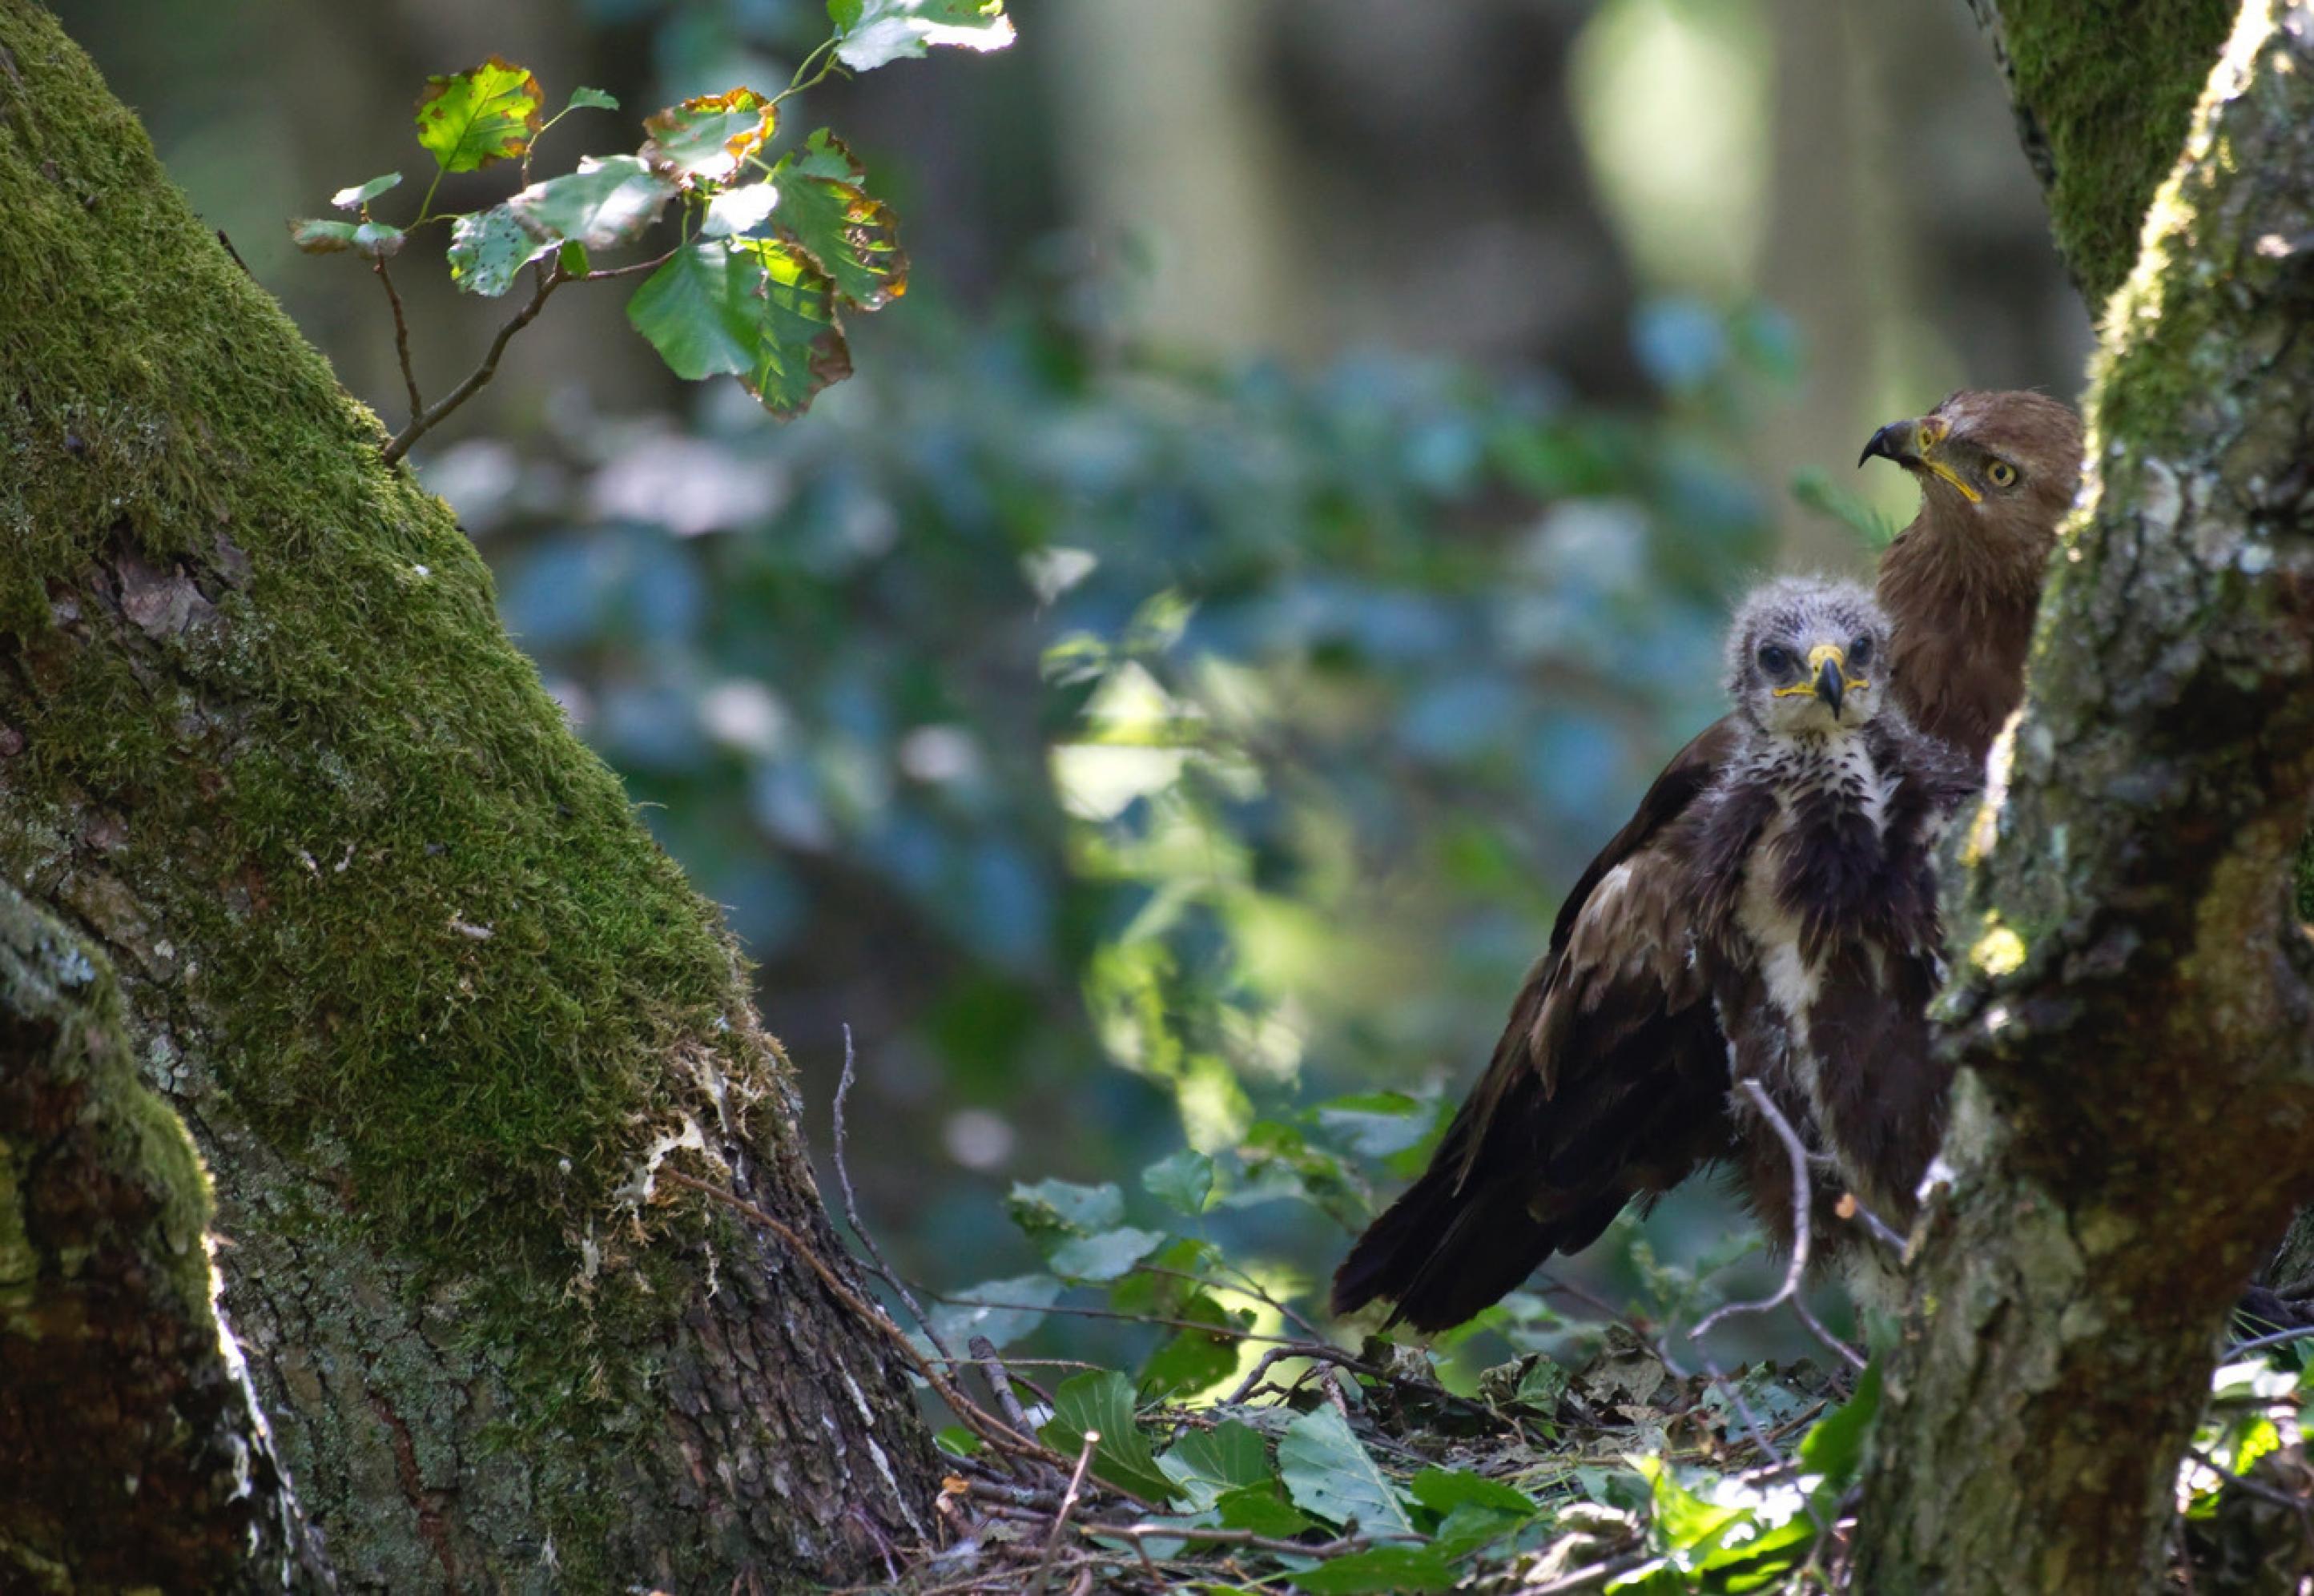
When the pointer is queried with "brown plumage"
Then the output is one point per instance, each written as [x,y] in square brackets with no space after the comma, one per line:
[1609,1083]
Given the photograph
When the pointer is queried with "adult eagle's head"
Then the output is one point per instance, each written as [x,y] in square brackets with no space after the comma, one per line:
[2005,464]
[1804,657]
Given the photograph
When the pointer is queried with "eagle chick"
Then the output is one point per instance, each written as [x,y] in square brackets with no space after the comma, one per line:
[1816,932]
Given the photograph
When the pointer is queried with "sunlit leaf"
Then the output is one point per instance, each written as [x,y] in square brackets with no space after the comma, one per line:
[318,237]
[823,211]
[488,248]
[1381,1568]
[739,210]
[361,194]
[751,310]
[706,138]
[871,32]
[1101,1400]
[592,98]
[608,201]
[471,119]
[1374,1125]
[1327,1472]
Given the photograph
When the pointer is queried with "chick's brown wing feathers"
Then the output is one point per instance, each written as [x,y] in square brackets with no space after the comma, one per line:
[1609,1083]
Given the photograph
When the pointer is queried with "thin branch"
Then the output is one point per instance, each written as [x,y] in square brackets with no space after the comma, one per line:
[2258,1343]
[400,337]
[550,277]
[633,268]
[1000,1381]
[852,1213]
[1060,1519]
[1803,1198]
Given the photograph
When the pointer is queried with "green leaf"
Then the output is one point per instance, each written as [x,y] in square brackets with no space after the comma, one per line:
[750,310]
[1683,1521]
[1329,1473]
[361,194]
[958,1441]
[740,210]
[471,119]
[1834,1446]
[706,138]
[1104,1256]
[377,240]
[487,249]
[1761,1563]
[572,260]
[1027,1297]
[1194,1358]
[1207,1464]
[1375,1124]
[1380,1568]
[592,98]
[1182,1183]
[1468,1528]
[823,211]
[610,201]
[1443,1490]
[871,32]
[1052,1210]
[1103,1400]
[1263,1510]
[317,237]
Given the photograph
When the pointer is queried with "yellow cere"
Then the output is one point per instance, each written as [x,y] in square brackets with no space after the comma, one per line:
[1816,661]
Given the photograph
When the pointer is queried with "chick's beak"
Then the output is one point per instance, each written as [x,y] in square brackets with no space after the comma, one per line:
[1831,669]
[1898,441]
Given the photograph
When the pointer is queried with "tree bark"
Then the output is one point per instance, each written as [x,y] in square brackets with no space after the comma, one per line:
[107,1332]
[2130,1011]
[394,948]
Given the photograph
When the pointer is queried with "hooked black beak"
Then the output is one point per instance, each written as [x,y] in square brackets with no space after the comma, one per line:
[1898,441]
[1829,685]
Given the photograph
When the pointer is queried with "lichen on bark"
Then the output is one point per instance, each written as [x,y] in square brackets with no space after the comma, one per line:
[392,941]
[2110,1188]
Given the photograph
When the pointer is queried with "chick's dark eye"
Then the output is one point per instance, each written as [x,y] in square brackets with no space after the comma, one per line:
[2000,473]
[1859,652]
[1774,660]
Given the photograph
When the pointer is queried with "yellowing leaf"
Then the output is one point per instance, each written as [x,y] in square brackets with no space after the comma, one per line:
[471,119]
[823,211]
[706,138]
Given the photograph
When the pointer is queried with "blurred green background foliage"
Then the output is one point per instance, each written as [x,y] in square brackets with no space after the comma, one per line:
[1158,702]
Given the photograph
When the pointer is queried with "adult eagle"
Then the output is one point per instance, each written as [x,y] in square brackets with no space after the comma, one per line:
[1611,1081]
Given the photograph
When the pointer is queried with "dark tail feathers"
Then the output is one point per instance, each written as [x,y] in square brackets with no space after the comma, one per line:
[1444,1256]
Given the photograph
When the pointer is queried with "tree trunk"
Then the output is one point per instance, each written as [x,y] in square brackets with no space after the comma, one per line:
[394,945]
[2130,1011]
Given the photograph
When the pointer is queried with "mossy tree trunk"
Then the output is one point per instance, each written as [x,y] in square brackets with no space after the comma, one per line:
[2132,1009]
[394,948]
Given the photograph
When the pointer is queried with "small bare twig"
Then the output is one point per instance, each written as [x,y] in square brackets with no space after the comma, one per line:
[550,277]
[238,261]
[851,1216]
[400,337]
[2259,1343]
[604,274]
[1803,1198]
[1060,1519]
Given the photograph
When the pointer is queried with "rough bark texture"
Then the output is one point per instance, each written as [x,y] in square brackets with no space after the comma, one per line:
[108,1333]
[2131,1011]
[394,945]
[2102,91]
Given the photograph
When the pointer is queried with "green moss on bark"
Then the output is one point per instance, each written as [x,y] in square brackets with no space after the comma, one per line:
[2111,86]
[265,733]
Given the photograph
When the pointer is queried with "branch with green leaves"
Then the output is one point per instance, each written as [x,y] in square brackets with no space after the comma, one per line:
[770,252]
